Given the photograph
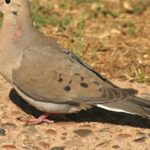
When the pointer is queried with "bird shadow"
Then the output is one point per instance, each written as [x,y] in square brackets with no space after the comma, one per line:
[92,115]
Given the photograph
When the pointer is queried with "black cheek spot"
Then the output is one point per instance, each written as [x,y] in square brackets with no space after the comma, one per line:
[84,85]
[15,13]
[67,88]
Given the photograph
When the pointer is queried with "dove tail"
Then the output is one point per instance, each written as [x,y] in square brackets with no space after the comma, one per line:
[132,105]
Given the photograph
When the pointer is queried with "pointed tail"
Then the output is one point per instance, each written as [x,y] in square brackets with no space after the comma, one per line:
[132,105]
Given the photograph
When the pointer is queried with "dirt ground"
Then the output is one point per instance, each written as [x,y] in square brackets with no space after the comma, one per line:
[112,36]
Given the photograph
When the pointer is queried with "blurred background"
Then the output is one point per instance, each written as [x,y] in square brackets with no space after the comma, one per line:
[113,36]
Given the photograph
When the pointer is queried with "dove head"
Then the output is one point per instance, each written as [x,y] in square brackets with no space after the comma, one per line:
[9,7]
[17,18]
[17,11]
[14,7]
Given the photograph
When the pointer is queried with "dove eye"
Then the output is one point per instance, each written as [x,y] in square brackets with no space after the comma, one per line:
[7,1]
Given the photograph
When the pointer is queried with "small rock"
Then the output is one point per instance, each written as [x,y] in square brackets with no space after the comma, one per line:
[141,139]
[58,148]
[9,147]
[140,134]
[2,132]
[50,131]
[34,148]
[74,142]
[127,6]
[45,145]
[63,138]
[115,146]
[65,133]
[83,132]
[103,144]
[85,126]
[124,135]
[104,130]
[9,125]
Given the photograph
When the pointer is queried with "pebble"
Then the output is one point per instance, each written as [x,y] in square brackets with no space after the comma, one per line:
[83,132]
[58,148]
[2,132]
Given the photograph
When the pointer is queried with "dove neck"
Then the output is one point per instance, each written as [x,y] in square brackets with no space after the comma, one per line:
[8,51]
[16,32]
[16,27]
[8,28]
[24,17]
[21,19]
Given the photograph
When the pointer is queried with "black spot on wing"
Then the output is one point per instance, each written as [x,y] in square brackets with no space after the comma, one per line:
[82,78]
[84,85]
[77,74]
[60,79]
[70,82]
[67,88]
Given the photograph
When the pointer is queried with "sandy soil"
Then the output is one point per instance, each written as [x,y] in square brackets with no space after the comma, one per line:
[95,129]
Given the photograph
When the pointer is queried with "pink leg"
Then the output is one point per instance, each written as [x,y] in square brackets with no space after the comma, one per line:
[42,118]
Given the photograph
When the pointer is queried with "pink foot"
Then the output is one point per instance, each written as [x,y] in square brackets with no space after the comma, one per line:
[42,118]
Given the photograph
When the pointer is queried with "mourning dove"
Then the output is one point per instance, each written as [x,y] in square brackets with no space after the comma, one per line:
[51,78]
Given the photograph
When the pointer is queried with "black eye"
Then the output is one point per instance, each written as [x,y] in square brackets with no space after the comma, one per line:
[7,1]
